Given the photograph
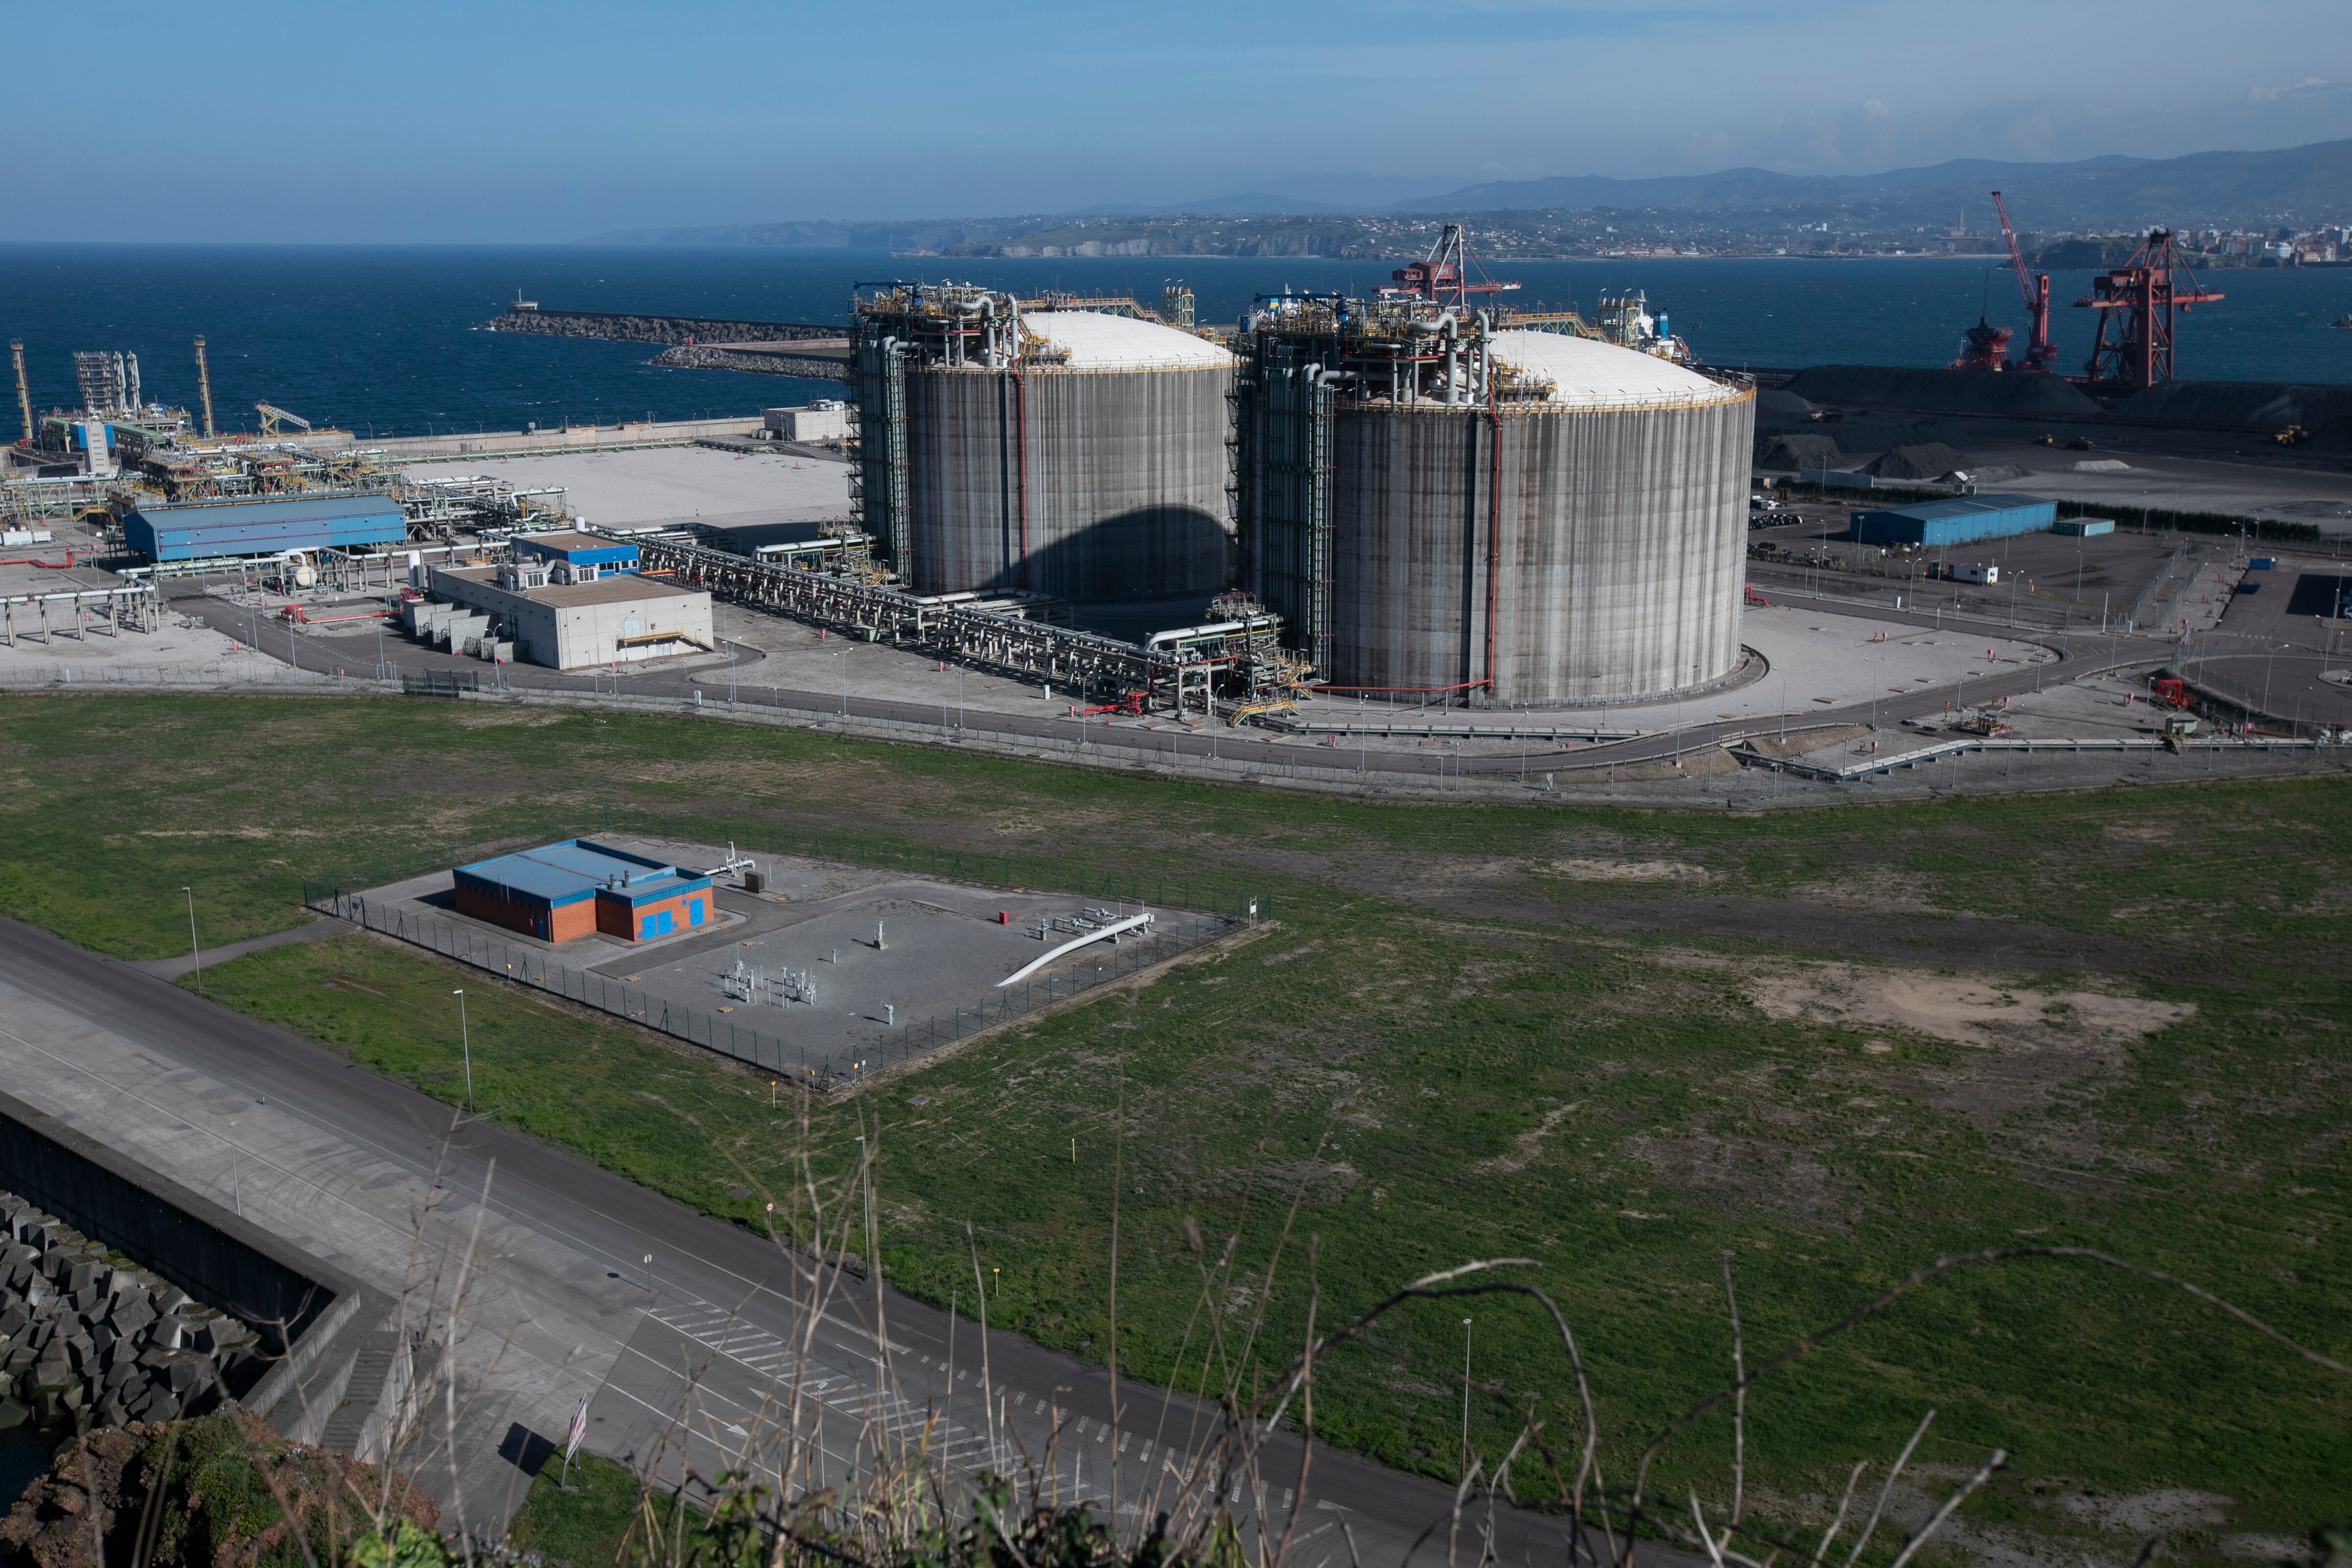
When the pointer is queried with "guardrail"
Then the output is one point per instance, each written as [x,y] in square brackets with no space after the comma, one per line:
[1748,757]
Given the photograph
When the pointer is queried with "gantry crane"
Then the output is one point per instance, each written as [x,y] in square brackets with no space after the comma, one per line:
[272,416]
[2041,354]
[2138,300]
[1442,275]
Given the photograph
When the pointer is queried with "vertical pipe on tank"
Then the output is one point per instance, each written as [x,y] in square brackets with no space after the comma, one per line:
[1450,344]
[131,382]
[1020,465]
[1493,514]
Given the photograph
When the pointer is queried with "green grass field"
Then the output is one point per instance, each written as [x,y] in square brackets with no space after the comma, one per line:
[1832,1045]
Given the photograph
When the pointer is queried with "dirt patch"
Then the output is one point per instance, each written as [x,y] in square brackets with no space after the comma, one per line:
[2024,1045]
[1798,742]
[1630,871]
[1711,761]
[1881,891]
[2142,1514]
[1957,942]
[1751,1171]
[1969,1011]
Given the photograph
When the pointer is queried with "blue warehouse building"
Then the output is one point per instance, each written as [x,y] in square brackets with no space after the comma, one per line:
[1963,520]
[571,888]
[262,525]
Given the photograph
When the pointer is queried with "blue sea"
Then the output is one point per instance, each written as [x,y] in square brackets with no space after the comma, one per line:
[379,339]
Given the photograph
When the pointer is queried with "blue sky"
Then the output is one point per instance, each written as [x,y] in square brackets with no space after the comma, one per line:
[527,122]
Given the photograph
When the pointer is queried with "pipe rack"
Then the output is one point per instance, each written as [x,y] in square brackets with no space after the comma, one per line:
[1086,663]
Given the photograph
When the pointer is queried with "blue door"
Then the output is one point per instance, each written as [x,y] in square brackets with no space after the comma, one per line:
[694,913]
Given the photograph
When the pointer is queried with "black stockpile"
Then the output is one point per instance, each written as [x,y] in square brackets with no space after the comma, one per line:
[1927,460]
[2012,392]
[1798,452]
[2266,406]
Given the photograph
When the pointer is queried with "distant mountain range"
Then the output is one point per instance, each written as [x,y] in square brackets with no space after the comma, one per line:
[2296,184]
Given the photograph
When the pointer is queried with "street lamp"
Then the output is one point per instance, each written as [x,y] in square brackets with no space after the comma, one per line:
[843,655]
[465,1044]
[195,955]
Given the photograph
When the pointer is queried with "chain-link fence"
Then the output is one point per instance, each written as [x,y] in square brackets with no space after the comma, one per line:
[343,894]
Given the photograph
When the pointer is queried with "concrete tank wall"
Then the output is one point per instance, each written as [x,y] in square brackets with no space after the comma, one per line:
[1620,546]
[1126,474]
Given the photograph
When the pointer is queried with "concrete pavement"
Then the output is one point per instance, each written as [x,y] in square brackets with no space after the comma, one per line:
[530,1265]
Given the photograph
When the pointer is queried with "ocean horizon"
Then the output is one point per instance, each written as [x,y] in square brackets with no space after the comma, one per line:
[380,339]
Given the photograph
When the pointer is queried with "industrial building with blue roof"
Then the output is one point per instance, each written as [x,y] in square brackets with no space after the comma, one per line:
[576,887]
[1962,519]
[262,525]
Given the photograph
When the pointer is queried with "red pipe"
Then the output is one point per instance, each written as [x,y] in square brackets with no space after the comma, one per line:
[45,566]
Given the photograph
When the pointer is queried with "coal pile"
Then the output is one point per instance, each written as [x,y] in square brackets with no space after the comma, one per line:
[2263,407]
[89,1339]
[1928,461]
[1798,452]
[2012,393]
[1777,407]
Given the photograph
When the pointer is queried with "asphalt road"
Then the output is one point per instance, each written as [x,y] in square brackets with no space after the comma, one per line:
[2078,653]
[724,1337]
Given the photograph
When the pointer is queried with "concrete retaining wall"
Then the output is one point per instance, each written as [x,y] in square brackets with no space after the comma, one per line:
[296,1301]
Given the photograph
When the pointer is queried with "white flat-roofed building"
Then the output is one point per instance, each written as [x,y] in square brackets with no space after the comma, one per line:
[817,422]
[617,619]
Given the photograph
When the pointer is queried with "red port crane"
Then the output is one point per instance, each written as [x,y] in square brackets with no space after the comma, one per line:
[2041,354]
[2138,300]
[1444,274]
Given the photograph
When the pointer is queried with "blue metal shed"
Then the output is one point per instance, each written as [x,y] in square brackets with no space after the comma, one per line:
[1962,519]
[263,525]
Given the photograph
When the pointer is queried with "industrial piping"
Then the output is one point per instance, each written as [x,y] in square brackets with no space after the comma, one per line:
[1132,922]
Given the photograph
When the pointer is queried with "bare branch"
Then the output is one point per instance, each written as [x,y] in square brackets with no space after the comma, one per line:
[1843,1504]
[1984,1473]
[1871,1525]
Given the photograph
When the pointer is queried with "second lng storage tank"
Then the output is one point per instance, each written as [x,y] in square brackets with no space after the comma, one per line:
[1074,453]
[1492,516]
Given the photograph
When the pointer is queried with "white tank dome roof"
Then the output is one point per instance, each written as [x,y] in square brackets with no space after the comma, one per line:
[1587,372]
[1099,341]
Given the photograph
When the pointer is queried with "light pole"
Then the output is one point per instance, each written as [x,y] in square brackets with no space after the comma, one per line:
[1465,1396]
[195,955]
[843,655]
[465,1044]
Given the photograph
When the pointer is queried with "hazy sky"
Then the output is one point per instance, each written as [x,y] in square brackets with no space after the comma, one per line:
[546,121]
